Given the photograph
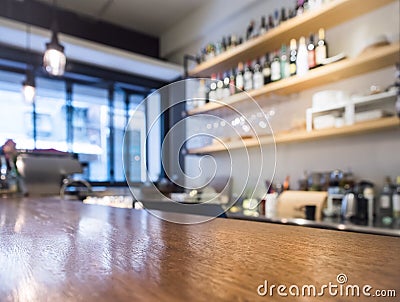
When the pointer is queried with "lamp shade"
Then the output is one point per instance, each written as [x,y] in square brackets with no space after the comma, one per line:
[54,59]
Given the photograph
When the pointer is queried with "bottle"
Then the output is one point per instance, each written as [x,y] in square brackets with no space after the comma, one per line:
[263,26]
[248,77]
[276,18]
[275,68]
[385,208]
[286,183]
[396,199]
[212,95]
[283,15]
[220,87]
[321,50]
[285,66]
[293,57]
[271,23]
[302,58]
[266,71]
[299,7]
[311,52]
[232,87]
[258,78]
[239,78]
[250,31]
[226,91]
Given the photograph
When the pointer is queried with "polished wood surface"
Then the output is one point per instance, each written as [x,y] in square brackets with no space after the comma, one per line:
[52,250]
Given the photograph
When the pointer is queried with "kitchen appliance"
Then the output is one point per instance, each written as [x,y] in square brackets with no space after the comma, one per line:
[43,171]
[356,207]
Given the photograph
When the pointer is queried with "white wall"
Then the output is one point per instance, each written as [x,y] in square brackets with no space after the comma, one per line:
[370,156]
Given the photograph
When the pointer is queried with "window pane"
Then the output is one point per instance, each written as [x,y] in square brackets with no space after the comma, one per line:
[90,130]
[135,138]
[15,113]
[51,127]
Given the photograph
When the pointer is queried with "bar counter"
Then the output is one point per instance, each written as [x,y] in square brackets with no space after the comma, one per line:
[54,250]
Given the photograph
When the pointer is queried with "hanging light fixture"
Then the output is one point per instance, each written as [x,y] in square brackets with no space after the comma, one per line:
[28,86]
[54,59]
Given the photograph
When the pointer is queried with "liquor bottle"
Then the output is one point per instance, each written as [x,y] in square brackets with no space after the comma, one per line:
[299,7]
[311,52]
[302,58]
[226,91]
[263,26]
[285,66]
[223,44]
[396,200]
[239,78]
[250,30]
[283,15]
[220,87]
[321,50]
[293,57]
[385,207]
[248,77]
[276,18]
[232,87]
[212,95]
[258,78]
[271,23]
[275,68]
[266,71]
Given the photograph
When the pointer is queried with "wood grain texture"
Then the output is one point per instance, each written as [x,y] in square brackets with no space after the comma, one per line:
[53,250]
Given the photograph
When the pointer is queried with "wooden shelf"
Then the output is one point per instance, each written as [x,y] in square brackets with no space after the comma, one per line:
[329,15]
[299,136]
[371,60]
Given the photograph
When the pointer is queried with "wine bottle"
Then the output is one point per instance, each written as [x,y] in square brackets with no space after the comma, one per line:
[275,68]
[258,78]
[293,57]
[239,78]
[311,52]
[266,71]
[285,66]
[302,58]
[321,51]
[248,77]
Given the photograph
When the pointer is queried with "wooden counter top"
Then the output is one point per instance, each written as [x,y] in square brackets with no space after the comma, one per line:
[53,250]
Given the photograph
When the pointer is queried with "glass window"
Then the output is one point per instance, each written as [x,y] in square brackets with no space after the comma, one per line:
[135,137]
[51,126]
[91,130]
[15,113]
